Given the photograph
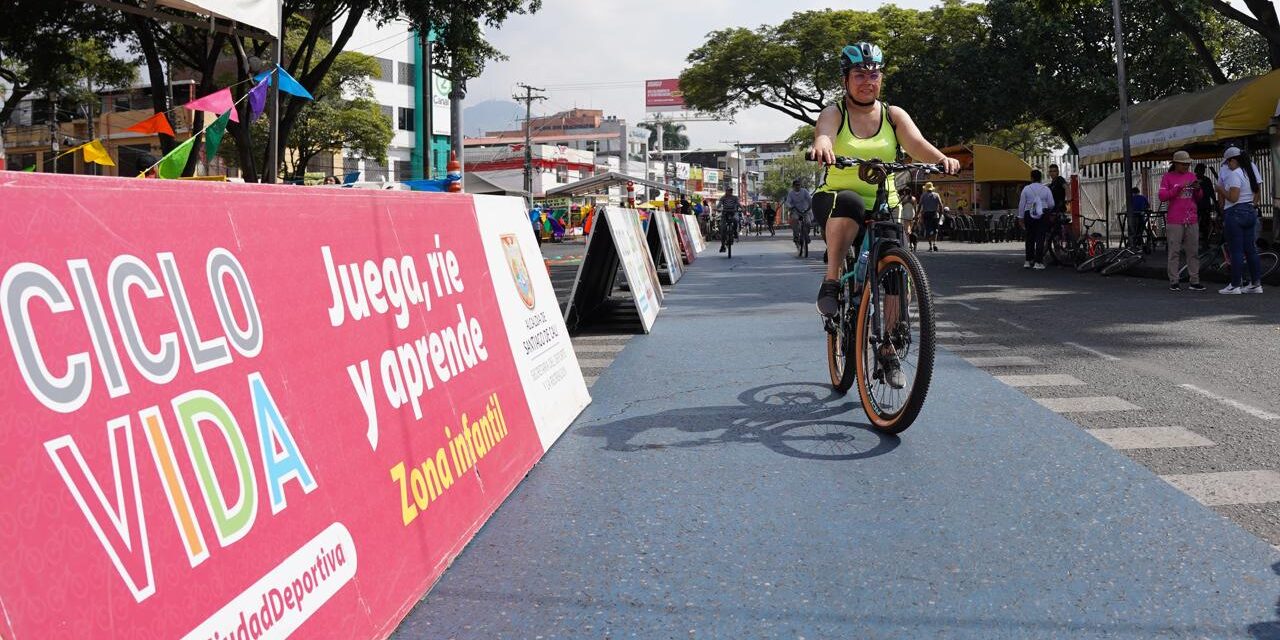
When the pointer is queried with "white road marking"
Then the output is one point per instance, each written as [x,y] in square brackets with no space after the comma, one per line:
[984,346]
[1013,324]
[957,302]
[951,335]
[1104,356]
[1150,437]
[594,363]
[1003,361]
[598,347]
[1041,380]
[1235,404]
[943,324]
[1229,487]
[591,380]
[1088,404]
[602,338]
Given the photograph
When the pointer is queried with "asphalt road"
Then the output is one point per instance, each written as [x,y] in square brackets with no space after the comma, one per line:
[1204,362]
[717,488]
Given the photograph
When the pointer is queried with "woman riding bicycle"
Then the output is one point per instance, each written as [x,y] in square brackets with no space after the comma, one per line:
[859,126]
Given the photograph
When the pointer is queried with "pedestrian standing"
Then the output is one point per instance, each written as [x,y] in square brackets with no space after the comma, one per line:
[1179,188]
[1138,208]
[1206,203]
[1036,200]
[770,216]
[1237,183]
[907,214]
[930,205]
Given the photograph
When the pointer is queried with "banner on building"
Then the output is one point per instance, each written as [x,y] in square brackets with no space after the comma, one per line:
[441,122]
[221,423]
[663,95]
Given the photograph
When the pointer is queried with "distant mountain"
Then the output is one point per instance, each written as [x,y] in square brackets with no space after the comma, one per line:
[491,115]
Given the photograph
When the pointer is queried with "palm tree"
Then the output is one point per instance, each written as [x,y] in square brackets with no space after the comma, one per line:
[672,135]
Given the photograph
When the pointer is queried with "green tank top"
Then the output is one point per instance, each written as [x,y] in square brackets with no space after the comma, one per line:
[883,145]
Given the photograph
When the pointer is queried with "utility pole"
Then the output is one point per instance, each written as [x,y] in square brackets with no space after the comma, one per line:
[528,99]
[741,179]
[1124,112]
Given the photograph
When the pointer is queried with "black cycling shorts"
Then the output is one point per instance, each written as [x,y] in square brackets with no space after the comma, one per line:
[841,204]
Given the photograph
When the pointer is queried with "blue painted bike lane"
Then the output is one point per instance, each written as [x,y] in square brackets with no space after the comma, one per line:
[718,488]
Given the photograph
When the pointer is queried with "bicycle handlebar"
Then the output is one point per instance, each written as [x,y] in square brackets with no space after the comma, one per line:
[889,167]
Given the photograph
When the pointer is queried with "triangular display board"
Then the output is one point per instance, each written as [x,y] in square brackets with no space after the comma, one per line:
[664,248]
[687,249]
[699,243]
[616,240]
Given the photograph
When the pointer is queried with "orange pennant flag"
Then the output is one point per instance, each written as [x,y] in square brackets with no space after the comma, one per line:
[155,124]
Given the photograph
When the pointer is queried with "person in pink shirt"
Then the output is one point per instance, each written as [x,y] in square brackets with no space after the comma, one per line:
[1179,188]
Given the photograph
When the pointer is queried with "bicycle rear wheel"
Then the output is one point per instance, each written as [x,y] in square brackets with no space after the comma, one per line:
[840,345]
[895,333]
[1268,261]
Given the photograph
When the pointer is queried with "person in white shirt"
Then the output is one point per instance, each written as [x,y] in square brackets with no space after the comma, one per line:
[1035,202]
[1237,183]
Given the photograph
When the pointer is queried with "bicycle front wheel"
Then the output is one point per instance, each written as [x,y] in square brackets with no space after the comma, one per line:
[895,342]
[1122,264]
[1268,261]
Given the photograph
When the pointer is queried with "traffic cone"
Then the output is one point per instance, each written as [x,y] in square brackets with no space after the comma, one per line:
[455,173]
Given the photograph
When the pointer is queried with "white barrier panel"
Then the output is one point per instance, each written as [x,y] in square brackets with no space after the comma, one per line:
[633,251]
[670,244]
[540,342]
[699,242]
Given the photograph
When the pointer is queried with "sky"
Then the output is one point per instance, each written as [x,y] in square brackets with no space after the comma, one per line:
[598,53]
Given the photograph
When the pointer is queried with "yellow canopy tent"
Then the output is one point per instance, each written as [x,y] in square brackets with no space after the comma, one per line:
[1193,121]
[992,164]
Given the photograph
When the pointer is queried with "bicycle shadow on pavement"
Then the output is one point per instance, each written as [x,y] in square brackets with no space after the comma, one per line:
[796,419]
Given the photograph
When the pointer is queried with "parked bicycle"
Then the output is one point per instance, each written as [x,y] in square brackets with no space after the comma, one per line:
[1216,257]
[1131,252]
[885,319]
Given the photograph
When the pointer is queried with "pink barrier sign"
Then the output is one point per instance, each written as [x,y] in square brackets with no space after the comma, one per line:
[237,411]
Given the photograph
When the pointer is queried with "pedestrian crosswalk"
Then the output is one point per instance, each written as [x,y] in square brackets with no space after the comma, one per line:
[596,352]
[1054,391]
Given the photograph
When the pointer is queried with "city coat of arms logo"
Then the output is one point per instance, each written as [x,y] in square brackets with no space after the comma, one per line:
[519,273]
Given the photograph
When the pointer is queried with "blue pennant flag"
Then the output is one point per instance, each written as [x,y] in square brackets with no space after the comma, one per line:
[287,84]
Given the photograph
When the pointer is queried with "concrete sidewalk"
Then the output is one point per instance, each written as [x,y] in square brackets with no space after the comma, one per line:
[718,488]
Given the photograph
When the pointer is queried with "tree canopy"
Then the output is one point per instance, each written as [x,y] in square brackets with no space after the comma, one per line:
[673,136]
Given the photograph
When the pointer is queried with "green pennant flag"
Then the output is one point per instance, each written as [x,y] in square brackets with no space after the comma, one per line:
[172,164]
[213,135]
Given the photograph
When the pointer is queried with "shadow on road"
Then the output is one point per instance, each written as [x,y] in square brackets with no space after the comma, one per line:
[796,419]
[1268,630]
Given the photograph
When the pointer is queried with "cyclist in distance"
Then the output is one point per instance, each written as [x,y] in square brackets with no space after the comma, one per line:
[799,202]
[730,209]
[859,126]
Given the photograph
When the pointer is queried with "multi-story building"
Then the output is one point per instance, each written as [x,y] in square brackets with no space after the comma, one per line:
[401,93]
[553,166]
[612,142]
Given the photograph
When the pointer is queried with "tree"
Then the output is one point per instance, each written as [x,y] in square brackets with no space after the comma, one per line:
[1265,22]
[672,135]
[344,115]
[777,179]
[1026,139]
[802,137]
[58,49]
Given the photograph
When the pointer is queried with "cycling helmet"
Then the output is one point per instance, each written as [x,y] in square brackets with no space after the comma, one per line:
[863,55]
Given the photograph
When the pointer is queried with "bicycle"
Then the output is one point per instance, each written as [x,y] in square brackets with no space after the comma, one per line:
[1119,259]
[801,229]
[884,315]
[1058,247]
[730,233]
[1217,256]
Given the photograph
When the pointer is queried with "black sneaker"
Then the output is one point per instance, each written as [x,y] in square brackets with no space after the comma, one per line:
[1175,287]
[721,248]
[1196,286]
[828,305]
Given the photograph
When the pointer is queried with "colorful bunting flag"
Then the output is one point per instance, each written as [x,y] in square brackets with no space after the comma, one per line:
[155,124]
[257,99]
[213,135]
[216,102]
[30,169]
[172,164]
[288,84]
[95,152]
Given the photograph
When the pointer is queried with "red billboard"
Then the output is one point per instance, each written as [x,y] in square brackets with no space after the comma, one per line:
[241,411]
[663,95]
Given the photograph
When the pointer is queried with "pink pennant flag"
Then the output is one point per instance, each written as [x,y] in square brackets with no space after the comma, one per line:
[217,102]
